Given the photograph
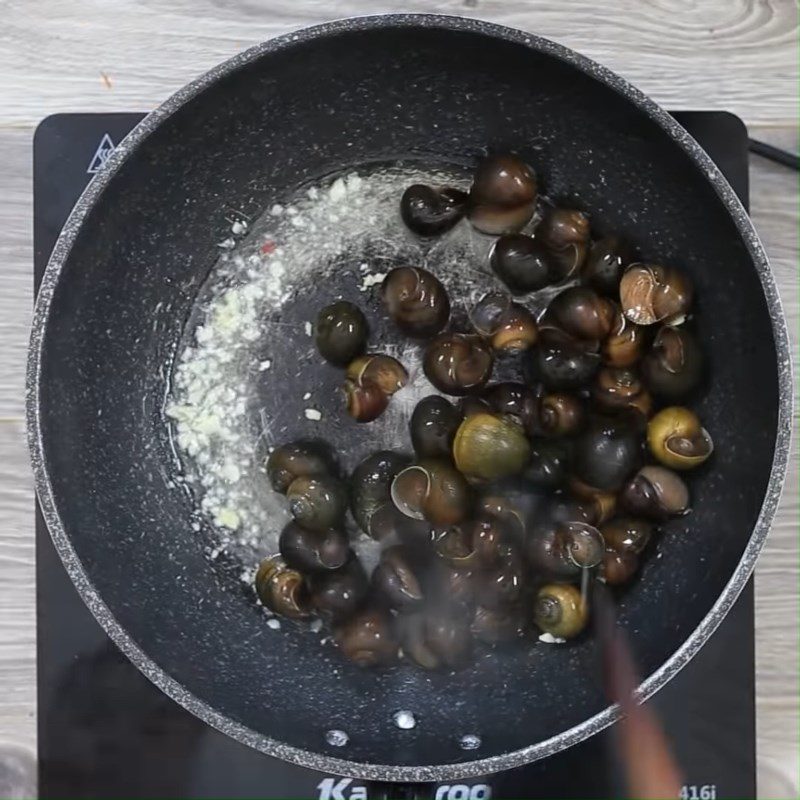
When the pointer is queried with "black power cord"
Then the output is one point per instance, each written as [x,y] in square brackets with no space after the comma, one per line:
[774,154]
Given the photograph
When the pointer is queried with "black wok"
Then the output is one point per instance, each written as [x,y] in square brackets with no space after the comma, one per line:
[121,283]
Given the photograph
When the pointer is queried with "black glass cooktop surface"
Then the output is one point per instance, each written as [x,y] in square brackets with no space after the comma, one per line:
[105,731]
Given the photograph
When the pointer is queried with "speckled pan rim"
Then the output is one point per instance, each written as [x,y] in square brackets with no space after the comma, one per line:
[318,761]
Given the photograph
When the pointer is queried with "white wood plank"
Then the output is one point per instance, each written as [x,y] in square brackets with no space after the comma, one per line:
[97,55]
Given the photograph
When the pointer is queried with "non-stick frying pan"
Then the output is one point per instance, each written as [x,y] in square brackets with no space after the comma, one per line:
[122,281]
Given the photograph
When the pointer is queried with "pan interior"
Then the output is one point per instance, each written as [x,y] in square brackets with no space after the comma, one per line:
[432,97]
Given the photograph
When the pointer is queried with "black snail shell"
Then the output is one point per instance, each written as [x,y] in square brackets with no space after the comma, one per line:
[368,639]
[370,484]
[458,363]
[560,610]
[282,589]
[336,594]
[559,526]
[395,581]
[341,332]
[503,584]
[650,293]
[433,425]
[582,313]
[317,502]
[565,232]
[503,195]
[607,453]
[677,439]
[508,326]
[599,505]
[656,493]
[430,210]
[297,459]
[523,263]
[488,447]
[548,465]
[563,362]
[432,490]
[627,534]
[605,264]
[416,301]
[674,365]
[516,400]
[313,551]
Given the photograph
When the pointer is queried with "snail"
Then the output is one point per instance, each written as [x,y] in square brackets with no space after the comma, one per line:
[436,639]
[395,581]
[605,264]
[565,232]
[618,568]
[581,313]
[433,426]
[494,626]
[563,362]
[503,195]
[282,589]
[619,389]
[313,551]
[627,534]
[650,293]
[489,447]
[560,414]
[297,459]
[607,452]
[364,400]
[674,365]
[516,400]
[369,489]
[432,490]
[416,301]
[340,332]
[656,493]
[387,373]
[430,210]
[548,464]
[368,639]
[337,594]
[560,610]
[599,505]
[677,439]
[458,363]
[508,326]
[523,263]
[317,502]
[626,343]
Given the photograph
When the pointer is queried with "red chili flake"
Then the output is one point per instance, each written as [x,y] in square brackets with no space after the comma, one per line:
[268,247]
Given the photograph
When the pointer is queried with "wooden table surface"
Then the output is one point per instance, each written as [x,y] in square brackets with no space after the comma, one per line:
[101,55]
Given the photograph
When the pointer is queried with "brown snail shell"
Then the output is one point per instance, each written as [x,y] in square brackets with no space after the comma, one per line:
[507,325]
[296,459]
[432,490]
[655,493]
[560,414]
[626,343]
[627,534]
[619,389]
[416,301]
[503,195]
[650,293]
[368,639]
[458,363]
[565,232]
[582,313]
[364,400]
[340,332]
[674,366]
[387,373]
[282,589]
[312,551]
